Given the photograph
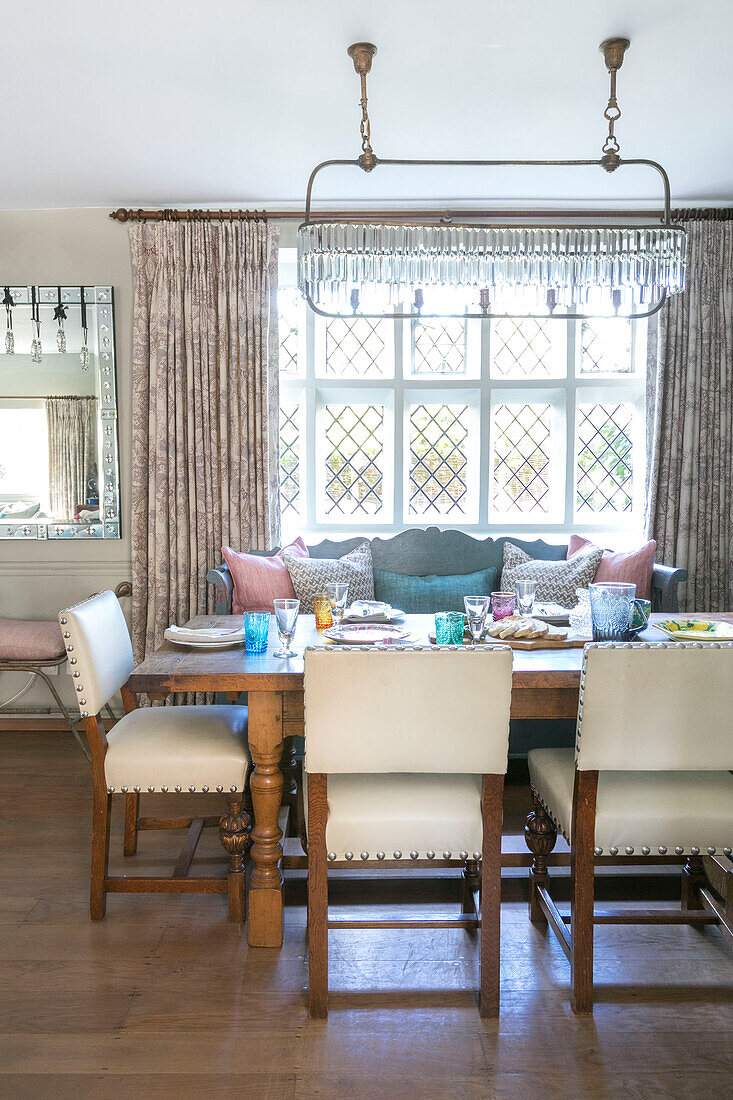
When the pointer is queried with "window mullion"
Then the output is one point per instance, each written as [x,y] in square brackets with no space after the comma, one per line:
[484,486]
[311,428]
[399,424]
[573,370]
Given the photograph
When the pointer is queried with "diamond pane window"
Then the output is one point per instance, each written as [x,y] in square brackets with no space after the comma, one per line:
[439,347]
[521,459]
[290,310]
[289,458]
[522,349]
[358,349]
[438,460]
[354,459]
[606,346]
[605,458]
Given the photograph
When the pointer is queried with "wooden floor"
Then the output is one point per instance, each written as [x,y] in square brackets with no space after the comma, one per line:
[165,999]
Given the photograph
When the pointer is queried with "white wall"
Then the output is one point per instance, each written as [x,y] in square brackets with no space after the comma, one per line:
[68,247]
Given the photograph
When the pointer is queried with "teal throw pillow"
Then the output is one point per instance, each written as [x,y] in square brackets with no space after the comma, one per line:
[426,595]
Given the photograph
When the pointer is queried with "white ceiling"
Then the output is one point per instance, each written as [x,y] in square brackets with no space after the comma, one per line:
[232,102]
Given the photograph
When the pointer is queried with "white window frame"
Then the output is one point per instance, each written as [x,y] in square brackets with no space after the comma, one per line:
[470,396]
[481,392]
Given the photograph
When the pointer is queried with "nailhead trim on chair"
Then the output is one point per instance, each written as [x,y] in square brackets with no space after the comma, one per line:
[410,649]
[628,645]
[165,790]
[613,850]
[632,645]
[364,856]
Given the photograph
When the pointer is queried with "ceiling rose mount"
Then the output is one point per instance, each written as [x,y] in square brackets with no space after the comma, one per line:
[430,270]
[613,50]
[362,54]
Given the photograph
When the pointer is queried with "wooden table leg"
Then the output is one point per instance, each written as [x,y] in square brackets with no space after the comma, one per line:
[266,785]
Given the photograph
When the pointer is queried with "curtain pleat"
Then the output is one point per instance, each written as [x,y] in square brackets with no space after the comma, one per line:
[690,386]
[71,452]
[205,410]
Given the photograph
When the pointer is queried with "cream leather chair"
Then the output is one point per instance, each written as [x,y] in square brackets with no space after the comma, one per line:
[371,718]
[648,778]
[167,749]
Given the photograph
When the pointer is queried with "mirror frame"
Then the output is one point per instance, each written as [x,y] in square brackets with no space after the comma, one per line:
[101,298]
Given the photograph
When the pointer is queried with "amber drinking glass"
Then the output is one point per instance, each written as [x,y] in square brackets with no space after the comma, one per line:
[322,611]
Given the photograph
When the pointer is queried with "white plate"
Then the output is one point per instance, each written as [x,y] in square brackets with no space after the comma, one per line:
[366,634]
[235,638]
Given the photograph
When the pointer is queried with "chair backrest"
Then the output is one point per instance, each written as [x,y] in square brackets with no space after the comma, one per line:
[99,650]
[407,709]
[662,706]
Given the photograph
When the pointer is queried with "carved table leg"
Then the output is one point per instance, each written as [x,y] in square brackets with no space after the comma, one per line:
[289,768]
[541,837]
[234,836]
[692,874]
[266,786]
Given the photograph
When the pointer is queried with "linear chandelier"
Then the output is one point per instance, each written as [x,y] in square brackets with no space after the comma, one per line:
[428,269]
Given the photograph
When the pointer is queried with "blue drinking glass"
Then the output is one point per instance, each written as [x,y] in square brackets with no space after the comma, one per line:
[256,629]
[443,629]
[449,627]
[457,626]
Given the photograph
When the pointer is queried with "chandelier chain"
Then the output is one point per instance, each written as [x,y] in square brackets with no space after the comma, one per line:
[613,114]
[365,125]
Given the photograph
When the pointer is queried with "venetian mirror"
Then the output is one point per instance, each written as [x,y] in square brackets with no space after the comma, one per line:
[59,463]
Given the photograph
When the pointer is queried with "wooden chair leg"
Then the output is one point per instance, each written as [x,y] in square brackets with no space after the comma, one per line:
[582,890]
[470,883]
[100,853]
[317,897]
[491,810]
[132,813]
[234,829]
[692,874]
[541,836]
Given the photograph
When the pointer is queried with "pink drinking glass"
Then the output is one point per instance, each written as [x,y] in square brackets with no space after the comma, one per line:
[503,604]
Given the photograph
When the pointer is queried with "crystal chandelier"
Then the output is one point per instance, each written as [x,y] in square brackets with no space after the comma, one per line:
[378,269]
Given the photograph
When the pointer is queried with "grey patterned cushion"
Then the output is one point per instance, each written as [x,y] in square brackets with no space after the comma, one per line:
[311,575]
[556,580]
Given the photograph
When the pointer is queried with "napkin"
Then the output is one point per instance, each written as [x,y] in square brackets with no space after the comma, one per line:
[372,611]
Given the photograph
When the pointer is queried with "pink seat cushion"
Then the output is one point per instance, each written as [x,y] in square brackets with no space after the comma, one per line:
[630,566]
[21,640]
[258,581]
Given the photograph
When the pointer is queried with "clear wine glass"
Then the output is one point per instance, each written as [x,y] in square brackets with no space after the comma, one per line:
[286,617]
[338,594]
[477,608]
[526,592]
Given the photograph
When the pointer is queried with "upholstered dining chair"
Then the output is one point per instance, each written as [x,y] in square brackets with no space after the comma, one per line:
[153,749]
[371,718]
[649,777]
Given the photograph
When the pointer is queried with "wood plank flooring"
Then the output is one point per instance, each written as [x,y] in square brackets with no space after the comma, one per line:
[165,999]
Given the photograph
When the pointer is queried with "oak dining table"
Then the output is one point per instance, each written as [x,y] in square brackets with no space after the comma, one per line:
[545,684]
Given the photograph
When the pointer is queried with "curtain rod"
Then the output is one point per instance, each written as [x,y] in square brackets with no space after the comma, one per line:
[704,213]
[444,215]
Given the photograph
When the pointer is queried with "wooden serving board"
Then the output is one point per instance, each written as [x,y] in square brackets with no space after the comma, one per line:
[554,639]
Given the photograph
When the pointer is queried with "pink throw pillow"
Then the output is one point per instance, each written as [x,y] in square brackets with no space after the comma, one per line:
[629,566]
[258,580]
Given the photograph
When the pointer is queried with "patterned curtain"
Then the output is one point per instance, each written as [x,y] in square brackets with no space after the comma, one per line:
[205,410]
[71,449]
[690,402]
